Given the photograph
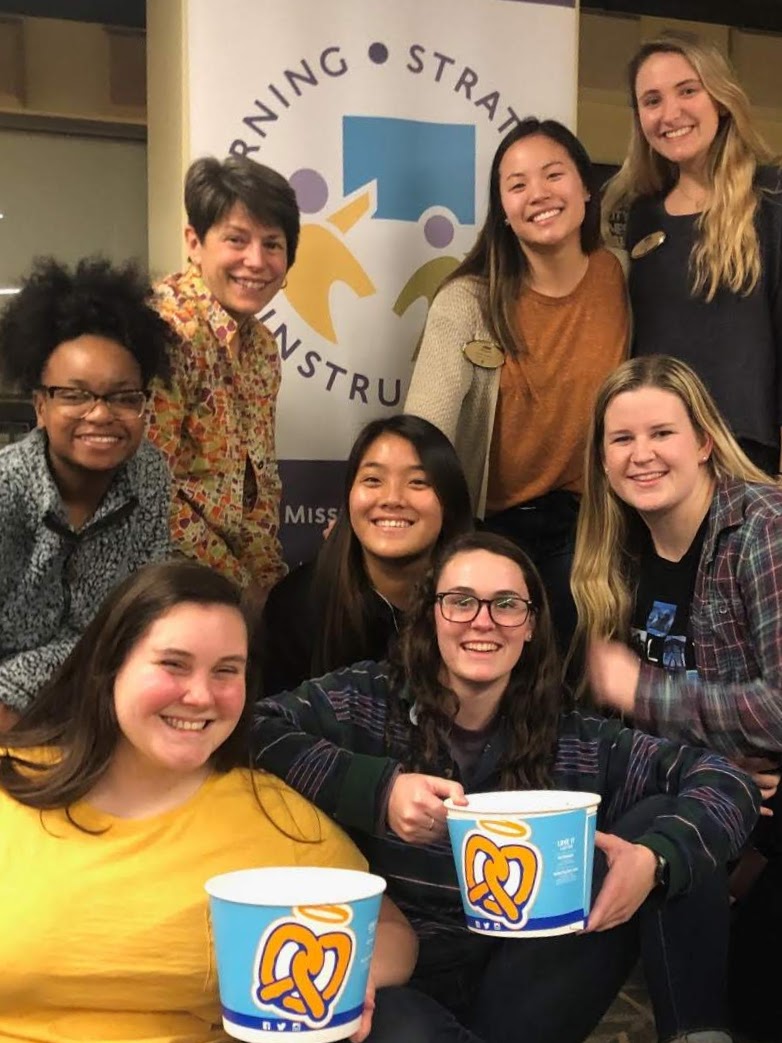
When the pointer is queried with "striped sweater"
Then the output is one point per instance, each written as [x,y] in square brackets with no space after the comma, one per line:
[327,739]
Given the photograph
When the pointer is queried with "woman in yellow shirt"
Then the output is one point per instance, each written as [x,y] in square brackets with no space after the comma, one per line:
[121,793]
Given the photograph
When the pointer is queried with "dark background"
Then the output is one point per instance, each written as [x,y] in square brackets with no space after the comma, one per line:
[744,14]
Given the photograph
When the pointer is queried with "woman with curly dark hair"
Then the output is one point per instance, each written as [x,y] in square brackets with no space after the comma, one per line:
[471,701]
[84,499]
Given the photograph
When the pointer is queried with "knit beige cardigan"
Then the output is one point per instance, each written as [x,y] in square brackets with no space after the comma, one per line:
[450,391]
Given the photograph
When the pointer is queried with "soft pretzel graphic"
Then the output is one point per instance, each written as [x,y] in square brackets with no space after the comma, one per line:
[489,872]
[291,970]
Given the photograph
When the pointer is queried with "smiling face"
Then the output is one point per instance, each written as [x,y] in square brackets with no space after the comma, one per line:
[394,511]
[181,690]
[478,657]
[677,115]
[242,262]
[654,458]
[99,441]
[542,193]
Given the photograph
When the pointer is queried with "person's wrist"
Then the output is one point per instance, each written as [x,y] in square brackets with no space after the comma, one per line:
[662,872]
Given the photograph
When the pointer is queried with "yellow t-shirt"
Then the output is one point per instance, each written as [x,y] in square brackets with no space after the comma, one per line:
[105,938]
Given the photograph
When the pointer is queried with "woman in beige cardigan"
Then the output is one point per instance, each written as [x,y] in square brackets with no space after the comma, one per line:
[518,340]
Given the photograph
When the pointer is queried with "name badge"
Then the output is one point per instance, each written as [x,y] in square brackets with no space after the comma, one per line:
[647,244]
[484,354]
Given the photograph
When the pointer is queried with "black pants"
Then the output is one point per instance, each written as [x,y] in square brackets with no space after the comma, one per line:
[545,528]
[754,983]
[555,990]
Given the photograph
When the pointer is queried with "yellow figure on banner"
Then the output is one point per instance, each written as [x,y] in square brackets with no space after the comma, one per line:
[324,259]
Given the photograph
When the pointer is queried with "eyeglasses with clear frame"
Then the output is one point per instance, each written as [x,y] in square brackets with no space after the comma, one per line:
[79,402]
[506,610]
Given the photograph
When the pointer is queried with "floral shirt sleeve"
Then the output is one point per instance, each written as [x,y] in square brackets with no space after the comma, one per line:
[215,426]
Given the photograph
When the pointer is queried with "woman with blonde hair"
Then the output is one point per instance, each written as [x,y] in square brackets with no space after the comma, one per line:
[679,555]
[700,189]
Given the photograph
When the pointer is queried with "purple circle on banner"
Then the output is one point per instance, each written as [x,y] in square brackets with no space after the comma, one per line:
[311,190]
[438,231]
[378,53]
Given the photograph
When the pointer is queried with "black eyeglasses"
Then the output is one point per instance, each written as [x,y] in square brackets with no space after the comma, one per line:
[78,402]
[506,610]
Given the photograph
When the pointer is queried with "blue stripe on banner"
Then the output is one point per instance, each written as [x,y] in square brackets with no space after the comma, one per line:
[540,923]
[270,1024]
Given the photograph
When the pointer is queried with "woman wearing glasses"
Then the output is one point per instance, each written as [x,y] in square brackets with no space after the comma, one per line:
[471,702]
[84,498]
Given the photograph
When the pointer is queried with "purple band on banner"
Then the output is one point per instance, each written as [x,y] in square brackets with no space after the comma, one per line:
[311,494]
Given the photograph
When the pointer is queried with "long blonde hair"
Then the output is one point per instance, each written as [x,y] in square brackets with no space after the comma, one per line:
[726,251]
[607,539]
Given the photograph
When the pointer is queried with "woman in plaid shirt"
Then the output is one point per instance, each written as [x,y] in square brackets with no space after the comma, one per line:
[679,555]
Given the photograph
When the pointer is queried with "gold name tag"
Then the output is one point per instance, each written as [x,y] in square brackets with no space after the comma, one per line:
[484,354]
[647,244]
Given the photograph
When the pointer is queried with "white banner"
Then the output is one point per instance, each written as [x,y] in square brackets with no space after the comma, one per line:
[384,115]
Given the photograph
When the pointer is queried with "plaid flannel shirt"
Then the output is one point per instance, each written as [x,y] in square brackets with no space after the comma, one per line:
[734,705]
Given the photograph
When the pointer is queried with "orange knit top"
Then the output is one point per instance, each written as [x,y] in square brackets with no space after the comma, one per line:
[547,394]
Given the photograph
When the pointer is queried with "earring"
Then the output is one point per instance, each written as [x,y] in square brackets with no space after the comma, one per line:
[507,222]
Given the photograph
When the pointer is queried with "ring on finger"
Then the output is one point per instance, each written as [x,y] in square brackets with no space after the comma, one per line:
[431,823]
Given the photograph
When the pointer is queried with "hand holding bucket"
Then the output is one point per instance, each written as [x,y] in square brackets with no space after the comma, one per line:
[524,860]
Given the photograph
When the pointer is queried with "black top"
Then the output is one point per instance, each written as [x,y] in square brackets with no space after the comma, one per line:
[660,629]
[286,638]
[733,343]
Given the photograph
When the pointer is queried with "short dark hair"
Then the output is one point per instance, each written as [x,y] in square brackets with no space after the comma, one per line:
[74,712]
[341,586]
[531,704]
[212,187]
[56,304]
[496,256]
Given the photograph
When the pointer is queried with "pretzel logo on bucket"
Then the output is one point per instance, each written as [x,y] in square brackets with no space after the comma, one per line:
[303,963]
[501,879]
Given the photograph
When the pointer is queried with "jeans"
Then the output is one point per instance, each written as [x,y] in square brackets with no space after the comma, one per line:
[555,990]
[545,528]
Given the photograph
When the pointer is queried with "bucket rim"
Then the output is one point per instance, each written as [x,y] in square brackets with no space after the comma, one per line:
[295,886]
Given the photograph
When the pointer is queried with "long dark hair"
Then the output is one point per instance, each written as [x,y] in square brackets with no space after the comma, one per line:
[497,257]
[74,714]
[530,705]
[341,589]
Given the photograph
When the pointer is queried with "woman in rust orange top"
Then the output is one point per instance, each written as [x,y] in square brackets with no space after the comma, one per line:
[517,342]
